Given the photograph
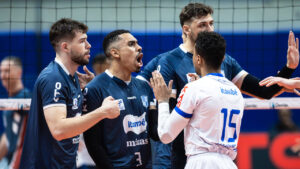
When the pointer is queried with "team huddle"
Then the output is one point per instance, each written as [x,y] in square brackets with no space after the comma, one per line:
[183,110]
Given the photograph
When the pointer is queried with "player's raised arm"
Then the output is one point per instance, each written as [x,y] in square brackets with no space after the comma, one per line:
[249,84]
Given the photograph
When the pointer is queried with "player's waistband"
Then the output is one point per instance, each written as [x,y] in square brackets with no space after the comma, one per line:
[231,152]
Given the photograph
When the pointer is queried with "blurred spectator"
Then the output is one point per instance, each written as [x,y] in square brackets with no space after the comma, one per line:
[100,63]
[11,141]
[286,124]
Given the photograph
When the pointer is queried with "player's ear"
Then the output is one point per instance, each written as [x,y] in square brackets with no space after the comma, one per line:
[186,30]
[198,59]
[64,46]
[114,52]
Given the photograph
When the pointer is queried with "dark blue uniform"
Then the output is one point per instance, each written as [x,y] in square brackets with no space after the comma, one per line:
[13,122]
[160,152]
[175,65]
[122,142]
[54,87]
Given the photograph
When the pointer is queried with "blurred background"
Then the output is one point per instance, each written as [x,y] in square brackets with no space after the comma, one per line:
[256,32]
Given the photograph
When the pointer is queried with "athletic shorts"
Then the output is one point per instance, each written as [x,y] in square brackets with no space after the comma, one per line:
[210,160]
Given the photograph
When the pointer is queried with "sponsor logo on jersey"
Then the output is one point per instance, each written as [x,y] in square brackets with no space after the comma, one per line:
[228,91]
[131,98]
[181,96]
[121,104]
[137,142]
[145,101]
[56,91]
[135,124]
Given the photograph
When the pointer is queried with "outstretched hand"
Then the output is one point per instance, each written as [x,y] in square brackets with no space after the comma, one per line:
[292,52]
[161,91]
[84,79]
[287,83]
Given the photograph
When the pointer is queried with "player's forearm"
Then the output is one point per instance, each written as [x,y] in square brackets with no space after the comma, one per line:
[295,83]
[70,127]
[169,125]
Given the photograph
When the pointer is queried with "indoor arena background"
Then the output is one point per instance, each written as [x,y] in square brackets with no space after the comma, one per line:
[256,32]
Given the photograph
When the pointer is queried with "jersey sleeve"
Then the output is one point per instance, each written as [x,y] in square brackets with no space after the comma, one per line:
[186,102]
[235,68]
[53,92]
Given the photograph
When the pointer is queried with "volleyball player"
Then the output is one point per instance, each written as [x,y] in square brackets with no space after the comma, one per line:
[11,141]
[177,64]
[54,122]
[122,142]
[203,109]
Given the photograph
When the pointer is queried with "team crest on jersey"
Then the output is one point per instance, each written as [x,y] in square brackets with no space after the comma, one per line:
[75,104]
[121,104]
[145,101]
[135,124]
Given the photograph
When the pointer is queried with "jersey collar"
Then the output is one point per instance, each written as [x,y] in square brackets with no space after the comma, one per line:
[185,51]
[112,76]
[215,74]
[62,65]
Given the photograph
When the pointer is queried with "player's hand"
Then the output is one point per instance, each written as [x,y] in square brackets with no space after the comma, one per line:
[111,107]
[84,79]
[269,81]
[161,91]
[193,76]
[292,52]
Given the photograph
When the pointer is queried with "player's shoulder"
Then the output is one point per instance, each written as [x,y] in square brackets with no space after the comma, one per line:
[50,74]
[101,80]
[172,55]
[229,60]
[140,82]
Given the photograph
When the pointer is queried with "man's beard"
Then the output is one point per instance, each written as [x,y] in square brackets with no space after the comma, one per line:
[79,59]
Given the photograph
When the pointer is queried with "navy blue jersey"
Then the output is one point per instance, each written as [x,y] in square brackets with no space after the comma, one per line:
[54,87]
[175,65]
[125,139]
[13,121]
[146,73]
[178,64]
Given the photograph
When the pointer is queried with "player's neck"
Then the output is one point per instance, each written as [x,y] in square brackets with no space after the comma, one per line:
[189,46]
[120,73]
[68,63]
[206,71]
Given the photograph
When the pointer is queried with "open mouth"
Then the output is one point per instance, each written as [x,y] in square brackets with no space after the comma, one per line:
[139,59]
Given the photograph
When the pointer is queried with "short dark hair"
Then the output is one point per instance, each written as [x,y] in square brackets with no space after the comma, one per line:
[191,10]
[211,47]
[17,61]
[110,38]
[65,28]
[99,58]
